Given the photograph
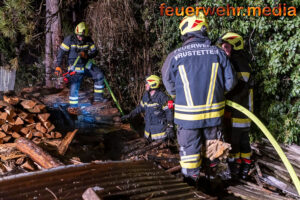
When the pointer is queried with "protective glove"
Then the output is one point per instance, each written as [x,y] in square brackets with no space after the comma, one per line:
[170,132]
[83,55]
[58,71]
[125,117]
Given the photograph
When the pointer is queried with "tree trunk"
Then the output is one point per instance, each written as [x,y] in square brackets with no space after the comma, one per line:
[55,28]
[53,37]
[48,44]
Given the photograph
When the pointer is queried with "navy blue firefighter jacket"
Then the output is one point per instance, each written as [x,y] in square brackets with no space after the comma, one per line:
[72,46]
[198,74]
[157,114]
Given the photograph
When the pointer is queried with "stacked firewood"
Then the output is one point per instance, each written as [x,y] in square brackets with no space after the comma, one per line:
[24,118]
[24,124]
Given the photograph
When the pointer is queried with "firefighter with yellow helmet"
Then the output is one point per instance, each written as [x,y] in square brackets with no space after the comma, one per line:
[158,114]
[80,49]
[239,124]
[197,75]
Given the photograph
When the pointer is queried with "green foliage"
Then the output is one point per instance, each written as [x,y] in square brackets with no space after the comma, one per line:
[16,17]
[273,43]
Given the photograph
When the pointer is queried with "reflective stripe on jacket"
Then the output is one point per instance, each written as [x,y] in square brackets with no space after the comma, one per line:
[198,74]
[243,91]
[157,113]
[72,46]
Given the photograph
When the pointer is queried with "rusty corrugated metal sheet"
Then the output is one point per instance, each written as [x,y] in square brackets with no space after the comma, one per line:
[120,180]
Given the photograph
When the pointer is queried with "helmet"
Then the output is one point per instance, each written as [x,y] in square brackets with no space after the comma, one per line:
[193,23]
[81,29]
[234,39]
[153,81]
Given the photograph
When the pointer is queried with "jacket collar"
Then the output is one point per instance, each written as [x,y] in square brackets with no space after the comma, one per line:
[196,37]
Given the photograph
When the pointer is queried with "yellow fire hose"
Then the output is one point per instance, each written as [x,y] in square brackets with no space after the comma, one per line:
[262,127]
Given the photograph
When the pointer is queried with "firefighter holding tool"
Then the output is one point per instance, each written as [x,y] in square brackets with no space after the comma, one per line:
[80,49]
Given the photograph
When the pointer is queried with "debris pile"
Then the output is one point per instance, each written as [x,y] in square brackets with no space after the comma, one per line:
[269,177]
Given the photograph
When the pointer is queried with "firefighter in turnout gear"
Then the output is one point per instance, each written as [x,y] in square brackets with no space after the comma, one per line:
[80,50]
[242,94]
[198,74]
[158,115]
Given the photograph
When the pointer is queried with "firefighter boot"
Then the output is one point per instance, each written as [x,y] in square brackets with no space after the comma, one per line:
[235,168]
[73,110]
[191,180]
[245,167]
[212,169]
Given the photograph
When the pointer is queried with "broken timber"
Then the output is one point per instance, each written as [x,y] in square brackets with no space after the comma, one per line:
[37,154]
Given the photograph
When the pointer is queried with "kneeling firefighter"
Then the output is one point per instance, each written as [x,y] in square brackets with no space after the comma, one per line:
[158,114]
[80,49]
[239,124]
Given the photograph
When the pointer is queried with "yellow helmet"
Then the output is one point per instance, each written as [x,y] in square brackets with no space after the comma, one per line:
[193,23]
[81,29]
[153,81]
[234,39]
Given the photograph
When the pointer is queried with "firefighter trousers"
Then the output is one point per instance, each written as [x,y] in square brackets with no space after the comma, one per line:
[98,77]
[191,142]
[240,143]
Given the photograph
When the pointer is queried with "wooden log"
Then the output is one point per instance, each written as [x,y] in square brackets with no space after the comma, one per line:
[10,111]
[28,165]
[6,127]
[30,120]
[37,140]
[64,145]
[40,128]
[51,128]
[19,121]
[2,134]
[31,126]
[28,104]
[11,100]
[3,115]
[36,109]
[43,117]
[93,193]
[15,135]
[20,160]
[2,121]
[56,135]
[38,134]
[24,130]
[47,124]
[6,138]
[41,107]
[29,135]
[37,154]
[23,115]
